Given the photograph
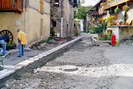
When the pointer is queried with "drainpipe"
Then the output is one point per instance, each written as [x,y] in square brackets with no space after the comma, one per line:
[24,10]
[62,19]
[62,22]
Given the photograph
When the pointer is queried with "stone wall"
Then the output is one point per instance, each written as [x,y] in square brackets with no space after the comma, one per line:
[31,21]
[68,18]
[126,33]
[64,10]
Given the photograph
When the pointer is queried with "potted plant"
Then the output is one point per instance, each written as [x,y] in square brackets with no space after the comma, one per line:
[117,10]
[126,8]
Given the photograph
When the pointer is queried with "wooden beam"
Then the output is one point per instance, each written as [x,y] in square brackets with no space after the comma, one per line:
[113,3]
[11,5]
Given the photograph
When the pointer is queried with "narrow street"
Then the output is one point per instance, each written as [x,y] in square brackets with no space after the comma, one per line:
[66,44]
[82,67]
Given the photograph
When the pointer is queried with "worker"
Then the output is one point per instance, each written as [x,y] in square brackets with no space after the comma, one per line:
[22,41]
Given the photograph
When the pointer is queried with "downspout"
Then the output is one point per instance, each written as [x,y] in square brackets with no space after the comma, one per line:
[24,10]
[62,19]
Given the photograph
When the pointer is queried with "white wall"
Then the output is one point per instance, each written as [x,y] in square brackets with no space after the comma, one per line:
[89,2]
[81,25]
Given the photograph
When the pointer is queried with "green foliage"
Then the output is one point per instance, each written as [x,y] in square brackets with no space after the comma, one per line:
[11,45]
[49,39]
[82,13]
[105,37]
[98,28]
[46,41]
[117,10]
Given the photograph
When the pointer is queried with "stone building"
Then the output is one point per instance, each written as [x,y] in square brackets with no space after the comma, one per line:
[62,17]
[31,16]
[118,15]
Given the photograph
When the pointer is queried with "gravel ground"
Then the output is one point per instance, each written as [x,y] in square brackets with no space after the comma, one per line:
[82,67]
[12,59]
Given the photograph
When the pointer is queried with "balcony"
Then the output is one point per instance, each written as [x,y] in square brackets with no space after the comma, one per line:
[11,6]
[114,3]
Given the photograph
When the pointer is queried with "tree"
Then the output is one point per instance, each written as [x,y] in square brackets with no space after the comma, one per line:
[82,12]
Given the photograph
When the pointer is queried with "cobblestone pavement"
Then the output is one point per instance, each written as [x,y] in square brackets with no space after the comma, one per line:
[82,67]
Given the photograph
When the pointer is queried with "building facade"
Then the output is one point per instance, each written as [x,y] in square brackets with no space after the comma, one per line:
[118,15]
[62,18]
[31,16]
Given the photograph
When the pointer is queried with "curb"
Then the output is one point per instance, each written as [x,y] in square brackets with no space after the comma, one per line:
[37,61]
